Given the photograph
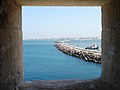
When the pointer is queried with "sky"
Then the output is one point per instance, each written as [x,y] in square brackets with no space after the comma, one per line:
[56,22]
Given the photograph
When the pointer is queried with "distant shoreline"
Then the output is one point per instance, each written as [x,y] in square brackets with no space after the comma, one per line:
[62,39]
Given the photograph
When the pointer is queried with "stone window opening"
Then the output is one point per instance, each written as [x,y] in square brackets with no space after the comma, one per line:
[11,50]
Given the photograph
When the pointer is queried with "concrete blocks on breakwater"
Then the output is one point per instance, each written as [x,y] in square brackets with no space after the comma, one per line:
[87,55]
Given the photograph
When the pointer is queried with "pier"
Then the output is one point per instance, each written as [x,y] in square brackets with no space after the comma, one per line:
[87,55]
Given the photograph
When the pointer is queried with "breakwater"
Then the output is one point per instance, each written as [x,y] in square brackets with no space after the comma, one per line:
[87,55]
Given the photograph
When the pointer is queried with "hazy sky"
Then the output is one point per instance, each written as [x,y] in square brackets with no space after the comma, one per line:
[50,22]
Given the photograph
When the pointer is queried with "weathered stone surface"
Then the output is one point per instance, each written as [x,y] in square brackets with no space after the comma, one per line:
[95,84]
[11,63]
[111,42]
[63,2]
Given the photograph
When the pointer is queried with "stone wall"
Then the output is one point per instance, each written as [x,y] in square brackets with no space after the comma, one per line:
[63,2]
[111,42]
[11,52]
[11,56]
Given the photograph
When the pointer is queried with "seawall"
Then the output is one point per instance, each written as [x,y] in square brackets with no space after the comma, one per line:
[87,55]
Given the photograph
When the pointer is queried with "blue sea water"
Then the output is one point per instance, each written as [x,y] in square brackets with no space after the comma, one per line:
[42,61]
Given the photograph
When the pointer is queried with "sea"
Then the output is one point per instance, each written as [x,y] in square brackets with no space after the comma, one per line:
[42,61]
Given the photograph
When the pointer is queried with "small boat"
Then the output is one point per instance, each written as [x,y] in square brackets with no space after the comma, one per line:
[92,47]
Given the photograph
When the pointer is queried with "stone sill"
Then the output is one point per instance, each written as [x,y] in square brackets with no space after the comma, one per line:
[94,84]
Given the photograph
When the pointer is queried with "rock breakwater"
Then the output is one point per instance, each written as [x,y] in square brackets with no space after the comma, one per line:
[87,55]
